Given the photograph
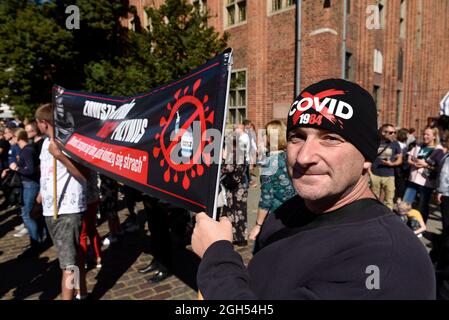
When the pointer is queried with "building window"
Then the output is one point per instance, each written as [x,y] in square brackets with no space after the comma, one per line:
[327,4]
[399,108]
[236,11]
[376,96]
[400,64]
[277,5]
[348,6]
[349,67]
[381,6]
[402,26]
[237,98]
[200,6]
[378,61]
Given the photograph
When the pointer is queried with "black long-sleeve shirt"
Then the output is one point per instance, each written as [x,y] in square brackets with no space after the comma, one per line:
[360,251]
[27,165]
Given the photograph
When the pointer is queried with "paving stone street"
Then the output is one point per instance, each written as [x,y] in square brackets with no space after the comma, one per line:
[118,279]
[39,278]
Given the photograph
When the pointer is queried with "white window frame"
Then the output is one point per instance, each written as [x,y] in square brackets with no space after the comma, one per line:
[236,13]
[238,107]
[284,7]
[378,61]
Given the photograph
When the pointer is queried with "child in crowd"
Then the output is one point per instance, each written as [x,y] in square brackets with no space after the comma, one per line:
[412,218]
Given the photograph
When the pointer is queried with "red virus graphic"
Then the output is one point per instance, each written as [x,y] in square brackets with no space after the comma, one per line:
[324,113]
[195,166]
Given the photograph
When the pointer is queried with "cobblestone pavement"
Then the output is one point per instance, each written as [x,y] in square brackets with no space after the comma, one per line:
[39,278]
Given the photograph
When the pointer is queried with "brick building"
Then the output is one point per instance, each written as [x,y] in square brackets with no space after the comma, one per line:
[396,49]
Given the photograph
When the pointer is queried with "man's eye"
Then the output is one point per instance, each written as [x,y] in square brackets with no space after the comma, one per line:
[295,139]
[332,139]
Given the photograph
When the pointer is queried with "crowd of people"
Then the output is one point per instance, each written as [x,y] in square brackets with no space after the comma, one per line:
[401,172]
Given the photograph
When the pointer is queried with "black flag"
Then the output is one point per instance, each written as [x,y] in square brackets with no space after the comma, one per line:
[166,142]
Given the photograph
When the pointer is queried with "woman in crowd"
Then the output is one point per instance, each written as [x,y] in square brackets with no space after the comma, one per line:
[233,173]
[276,186]
[424,160]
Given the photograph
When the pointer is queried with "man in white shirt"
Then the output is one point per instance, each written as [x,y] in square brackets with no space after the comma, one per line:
[71,204]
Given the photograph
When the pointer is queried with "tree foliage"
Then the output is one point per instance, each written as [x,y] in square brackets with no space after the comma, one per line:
[103,56]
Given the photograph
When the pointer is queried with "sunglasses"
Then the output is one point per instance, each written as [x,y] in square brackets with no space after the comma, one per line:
[390,132]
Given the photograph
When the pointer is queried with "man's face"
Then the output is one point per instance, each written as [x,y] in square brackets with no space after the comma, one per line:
[8,134]
[42,125]
[323,165]
[388,133]
[31,133]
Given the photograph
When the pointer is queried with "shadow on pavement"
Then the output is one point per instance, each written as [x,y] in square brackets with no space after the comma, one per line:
[30,276]
[9,225]
[116,261]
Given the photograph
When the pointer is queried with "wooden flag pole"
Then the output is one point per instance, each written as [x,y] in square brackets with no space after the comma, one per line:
[55,191]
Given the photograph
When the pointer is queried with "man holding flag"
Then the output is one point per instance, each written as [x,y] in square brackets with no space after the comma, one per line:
[64,225]
[334,240]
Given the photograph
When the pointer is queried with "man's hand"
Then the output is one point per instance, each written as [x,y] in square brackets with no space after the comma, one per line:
[13,166]
[439,195]
[54,149]
[254,232]
[4,173]
[207,231]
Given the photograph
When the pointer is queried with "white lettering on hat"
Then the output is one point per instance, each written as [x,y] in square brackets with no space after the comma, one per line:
[339,108]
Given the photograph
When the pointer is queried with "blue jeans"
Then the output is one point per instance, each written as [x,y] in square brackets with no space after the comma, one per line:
[30,191]
[424,197]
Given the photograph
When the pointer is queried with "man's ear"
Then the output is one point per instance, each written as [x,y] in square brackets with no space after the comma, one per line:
[366,165]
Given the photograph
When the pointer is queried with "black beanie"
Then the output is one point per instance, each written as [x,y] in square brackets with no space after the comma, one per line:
[342,107]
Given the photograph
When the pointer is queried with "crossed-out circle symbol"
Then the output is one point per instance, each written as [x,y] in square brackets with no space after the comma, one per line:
[199,113]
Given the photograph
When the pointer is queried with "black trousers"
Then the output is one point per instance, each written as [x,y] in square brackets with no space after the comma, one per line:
[445,213]
[158,224]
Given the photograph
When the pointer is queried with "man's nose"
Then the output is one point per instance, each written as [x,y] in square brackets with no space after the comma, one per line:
[308,153]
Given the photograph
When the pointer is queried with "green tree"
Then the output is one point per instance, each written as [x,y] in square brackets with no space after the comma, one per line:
[181,38]
[177,41]
[33,51]
[37,51]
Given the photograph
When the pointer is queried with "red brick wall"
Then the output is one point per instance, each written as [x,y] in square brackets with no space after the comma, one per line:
[265,46]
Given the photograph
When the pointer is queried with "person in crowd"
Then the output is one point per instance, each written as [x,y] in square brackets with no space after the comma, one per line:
[244,146]
[424,160]
[14,149]
[89,228]
[4,149]
[34,136]
[329,240]
[252,150]
[109,208]
[402,171]
[275,184]
[64,225]
[389,156]
[233,172]
[131,196]
[161,241]
[440,250]
[443,185]
[412,218]
[411,139]
[27,168]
